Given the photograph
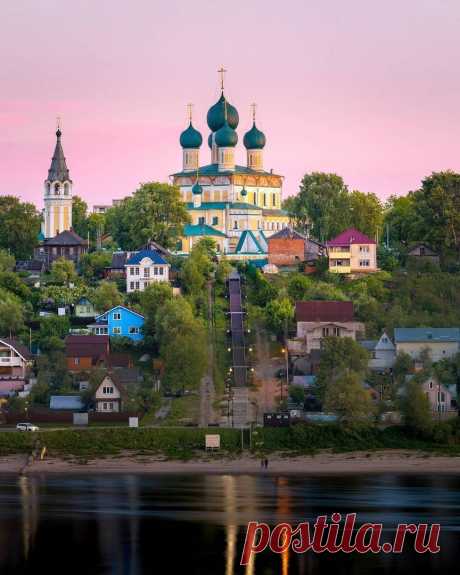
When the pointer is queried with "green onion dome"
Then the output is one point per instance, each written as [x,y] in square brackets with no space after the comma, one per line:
[191,138]
[244,192]
[226,137]
[254,139]
[216,115]
[210,141]
[197,189]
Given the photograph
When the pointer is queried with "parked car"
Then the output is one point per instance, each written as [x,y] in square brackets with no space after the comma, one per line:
[27,427]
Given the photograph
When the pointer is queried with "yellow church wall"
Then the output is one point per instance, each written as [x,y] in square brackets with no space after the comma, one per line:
[66,218]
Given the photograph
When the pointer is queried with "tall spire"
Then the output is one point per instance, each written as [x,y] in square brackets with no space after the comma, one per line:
[222,72]
[58,170]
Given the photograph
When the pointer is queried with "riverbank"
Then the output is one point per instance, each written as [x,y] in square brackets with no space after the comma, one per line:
[384,461]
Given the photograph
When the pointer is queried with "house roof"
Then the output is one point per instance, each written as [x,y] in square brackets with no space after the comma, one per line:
[202,230]
[58,169]
[94,346]
[106,313]
[249,240]
[428,250]
[348,237]
[71,402]
[287,234]
[17,346]
[66,238]
[119,260]
[333,311]
[155,256]
[368,344]
[119,359]
[30,265]
[426,334]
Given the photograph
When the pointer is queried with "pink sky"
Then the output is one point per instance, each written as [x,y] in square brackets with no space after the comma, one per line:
[369,90]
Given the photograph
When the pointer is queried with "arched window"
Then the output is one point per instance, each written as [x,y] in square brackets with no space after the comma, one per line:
[66,189]
[56,189]
[48,188]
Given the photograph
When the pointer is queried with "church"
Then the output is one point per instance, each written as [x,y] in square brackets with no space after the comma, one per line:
[237,206]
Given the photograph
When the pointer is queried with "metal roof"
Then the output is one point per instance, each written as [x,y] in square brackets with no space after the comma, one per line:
[58,169]
[70,402]
[426,334]
[151,254]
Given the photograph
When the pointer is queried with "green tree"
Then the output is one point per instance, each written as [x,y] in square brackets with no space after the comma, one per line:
[92,265]
[279,314]
[53,330]
[154,212]
[152,299]
[400,222]
[299,287]
[19,226]
[185,359]
[297,394]
[106,296]
[63,272]
[52,373]
[366,213]
[340,356]
[79,216]
[415,407]
[7,261]
[11,314]
[13,283]
[347,397]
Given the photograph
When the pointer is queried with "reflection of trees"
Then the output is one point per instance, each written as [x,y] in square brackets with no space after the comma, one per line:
[29,504]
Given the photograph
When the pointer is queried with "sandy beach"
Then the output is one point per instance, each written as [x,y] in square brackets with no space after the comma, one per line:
[385,461]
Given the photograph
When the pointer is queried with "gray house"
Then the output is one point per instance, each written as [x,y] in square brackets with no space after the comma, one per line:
[382,351]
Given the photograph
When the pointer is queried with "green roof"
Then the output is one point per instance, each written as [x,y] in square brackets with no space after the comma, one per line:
[202,230]
[222,206]
[212,170]
[242,239]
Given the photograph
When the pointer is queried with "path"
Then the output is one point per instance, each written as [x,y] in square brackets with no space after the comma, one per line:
[268,386]
[207,390]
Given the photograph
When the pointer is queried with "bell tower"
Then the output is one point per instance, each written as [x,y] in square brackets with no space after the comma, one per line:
[58,193]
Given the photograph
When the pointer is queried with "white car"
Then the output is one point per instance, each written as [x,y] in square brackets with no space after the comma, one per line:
[27,427]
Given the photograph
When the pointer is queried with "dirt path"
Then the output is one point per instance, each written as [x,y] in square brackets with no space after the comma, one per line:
[268,387]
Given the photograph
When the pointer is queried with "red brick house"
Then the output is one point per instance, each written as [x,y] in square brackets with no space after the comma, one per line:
[288,247]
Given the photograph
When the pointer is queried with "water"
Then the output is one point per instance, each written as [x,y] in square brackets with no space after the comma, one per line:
[140,524]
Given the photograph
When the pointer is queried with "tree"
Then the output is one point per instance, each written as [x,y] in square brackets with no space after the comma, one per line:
[7,261]
[297,394]
[415,407]
[92,265]
[11,314]
[347,397]
[79,216]
[13,283]
[366,213]
[223,270]
[279,314]
[322,204]
[340,356]
[172,319]
[185,360]
[106,296]
[53,373]
[19,226]
[154,212]
[298,287]
[152,299]
[400,221]
[63,272]
[53,330]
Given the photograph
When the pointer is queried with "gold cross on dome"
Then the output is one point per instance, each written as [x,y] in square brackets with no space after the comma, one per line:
[253,109]
[222,72]
[190,110]
[58,122]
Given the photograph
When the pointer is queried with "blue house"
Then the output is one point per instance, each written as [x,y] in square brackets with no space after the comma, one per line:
[119,321]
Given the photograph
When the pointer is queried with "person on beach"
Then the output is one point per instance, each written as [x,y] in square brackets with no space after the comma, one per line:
[266,463]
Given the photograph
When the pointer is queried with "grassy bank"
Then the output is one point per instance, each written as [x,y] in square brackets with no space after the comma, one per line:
[186,443]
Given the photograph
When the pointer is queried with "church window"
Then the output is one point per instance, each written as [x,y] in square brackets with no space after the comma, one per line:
[215,221]
[56,189]
[201,221]
[66,189]
[274,200]
[265,199]
[235,225]
[48,188]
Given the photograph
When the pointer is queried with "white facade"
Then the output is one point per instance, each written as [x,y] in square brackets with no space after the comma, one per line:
[142,274]
[57,215]
[108,397]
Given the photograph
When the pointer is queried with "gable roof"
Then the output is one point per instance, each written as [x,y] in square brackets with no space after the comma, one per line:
[17,346]
[248,243]
[428,250]
[66,238]
[426,334]
[329,311]
[119,260]
[129,310]
[350,236]
[155,256]
[202,230]
[94,346]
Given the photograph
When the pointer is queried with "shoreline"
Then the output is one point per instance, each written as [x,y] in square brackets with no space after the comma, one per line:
[383,461]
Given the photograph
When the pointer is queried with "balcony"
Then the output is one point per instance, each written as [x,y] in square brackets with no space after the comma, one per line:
[341,253]
[10,361]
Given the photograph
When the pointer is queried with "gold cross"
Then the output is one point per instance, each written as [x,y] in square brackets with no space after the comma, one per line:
[222,72]
[190,108]
[58,122]
[253,108]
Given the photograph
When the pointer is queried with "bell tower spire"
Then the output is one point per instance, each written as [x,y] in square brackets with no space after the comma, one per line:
[57,215]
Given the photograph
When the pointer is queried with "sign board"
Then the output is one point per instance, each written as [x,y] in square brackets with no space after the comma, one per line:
[80,419]
[133,422]
[212,441]
[61,310]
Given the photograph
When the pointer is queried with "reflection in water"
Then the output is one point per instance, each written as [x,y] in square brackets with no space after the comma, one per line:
[29,506]
[130,525]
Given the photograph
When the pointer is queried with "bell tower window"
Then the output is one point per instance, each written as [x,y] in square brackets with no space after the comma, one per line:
[56,189]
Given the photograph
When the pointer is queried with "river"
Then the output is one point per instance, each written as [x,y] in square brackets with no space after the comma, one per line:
[143,524]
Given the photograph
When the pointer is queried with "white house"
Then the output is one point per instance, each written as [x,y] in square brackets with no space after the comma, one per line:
[145,267]
[108,396]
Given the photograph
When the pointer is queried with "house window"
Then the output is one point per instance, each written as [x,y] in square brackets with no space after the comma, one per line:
[364,249]
[201,221]
[107,390]
[117,316]
[116,330]
[104,406]
[131,285]
[161,270]
[137,271]
[146,272]
[336,331]
[431,385]
[133,330]
[364,263]
[76,361]
[137,285]
[131,271]
[215,221]
[155,271]
[325,331]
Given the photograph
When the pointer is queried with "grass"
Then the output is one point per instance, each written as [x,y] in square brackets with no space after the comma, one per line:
[183,410]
